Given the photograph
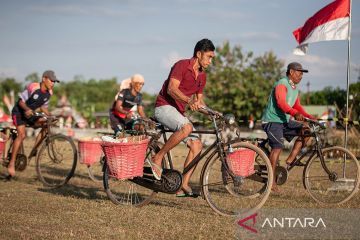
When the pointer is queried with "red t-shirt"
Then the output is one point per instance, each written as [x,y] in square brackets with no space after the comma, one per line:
[184,72]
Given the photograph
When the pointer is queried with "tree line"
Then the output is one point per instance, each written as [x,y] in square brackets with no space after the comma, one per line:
[237,82]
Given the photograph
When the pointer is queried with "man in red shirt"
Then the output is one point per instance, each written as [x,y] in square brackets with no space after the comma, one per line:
[184,87]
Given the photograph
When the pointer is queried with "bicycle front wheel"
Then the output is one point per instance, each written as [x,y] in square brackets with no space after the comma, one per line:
[56,160]
[127,192]
[231,196]
[342,182]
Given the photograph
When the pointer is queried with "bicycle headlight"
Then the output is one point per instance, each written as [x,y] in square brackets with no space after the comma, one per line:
[229,118]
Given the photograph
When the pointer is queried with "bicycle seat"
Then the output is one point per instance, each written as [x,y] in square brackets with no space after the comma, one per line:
[158,125]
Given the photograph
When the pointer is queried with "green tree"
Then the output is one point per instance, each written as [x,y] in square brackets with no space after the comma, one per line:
[32,77]
[239,83]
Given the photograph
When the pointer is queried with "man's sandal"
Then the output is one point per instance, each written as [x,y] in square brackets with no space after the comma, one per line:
[187,193]
[156,169]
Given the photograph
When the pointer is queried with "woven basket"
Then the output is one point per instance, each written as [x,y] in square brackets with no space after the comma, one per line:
[89,151]
[125,160]
[3,139]
[241,162]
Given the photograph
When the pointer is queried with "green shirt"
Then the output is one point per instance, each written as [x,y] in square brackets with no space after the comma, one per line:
[272,113]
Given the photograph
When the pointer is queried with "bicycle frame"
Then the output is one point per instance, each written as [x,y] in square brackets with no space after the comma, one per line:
[315,148]
[216,145]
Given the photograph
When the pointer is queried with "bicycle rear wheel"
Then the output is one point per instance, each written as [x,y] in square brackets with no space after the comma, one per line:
[230,196]
[126,192]
[56,160]
[343,182]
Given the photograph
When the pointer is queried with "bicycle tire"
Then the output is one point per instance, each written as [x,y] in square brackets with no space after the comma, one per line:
[126,192]
[228,197]
[332,191]
[21,159]
[56,160]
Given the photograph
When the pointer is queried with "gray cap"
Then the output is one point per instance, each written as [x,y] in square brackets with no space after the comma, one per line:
[50,75]
[296,66]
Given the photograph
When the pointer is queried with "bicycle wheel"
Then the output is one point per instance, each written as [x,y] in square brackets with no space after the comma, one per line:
[95,170]
[343,182]
[21,159]
[126,192]
[240,195]
[56,160]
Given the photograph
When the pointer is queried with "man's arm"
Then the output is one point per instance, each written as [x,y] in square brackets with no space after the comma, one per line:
[120,109]
[141,111]
[301,110]
[28,111]
[174,91]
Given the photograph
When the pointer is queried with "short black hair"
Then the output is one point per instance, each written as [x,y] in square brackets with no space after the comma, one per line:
[204,45]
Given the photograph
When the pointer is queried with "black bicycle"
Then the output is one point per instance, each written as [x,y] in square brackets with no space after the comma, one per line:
[331,173]
[56,154]
[226,190]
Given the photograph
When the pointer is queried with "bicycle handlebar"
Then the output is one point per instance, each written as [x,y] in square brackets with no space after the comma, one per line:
[211,111]
[321,125]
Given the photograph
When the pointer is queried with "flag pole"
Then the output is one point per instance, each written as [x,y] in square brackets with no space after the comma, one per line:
[348,80]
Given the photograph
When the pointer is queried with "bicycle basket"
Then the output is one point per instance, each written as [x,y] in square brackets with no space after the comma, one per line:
[126,159]
[241,162]
[3,139]
[90,151]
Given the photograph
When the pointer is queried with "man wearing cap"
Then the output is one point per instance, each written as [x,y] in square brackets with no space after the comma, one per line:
[283,103]
[35,96]
[128,100]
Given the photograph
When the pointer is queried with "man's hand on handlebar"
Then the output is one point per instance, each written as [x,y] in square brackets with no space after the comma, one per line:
[299,117]
[29,113]
[194,105]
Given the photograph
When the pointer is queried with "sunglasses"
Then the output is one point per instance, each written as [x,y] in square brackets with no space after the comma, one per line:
[53,81]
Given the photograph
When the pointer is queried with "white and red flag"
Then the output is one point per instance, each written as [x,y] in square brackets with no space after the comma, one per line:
[330,23]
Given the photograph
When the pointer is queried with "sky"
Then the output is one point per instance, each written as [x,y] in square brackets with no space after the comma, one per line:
[118,38]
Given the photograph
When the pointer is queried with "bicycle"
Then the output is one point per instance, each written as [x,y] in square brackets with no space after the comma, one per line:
[226,192]
[331,173]
[56,155]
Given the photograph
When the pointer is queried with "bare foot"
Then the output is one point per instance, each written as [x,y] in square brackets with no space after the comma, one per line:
[11,170]
[275,189]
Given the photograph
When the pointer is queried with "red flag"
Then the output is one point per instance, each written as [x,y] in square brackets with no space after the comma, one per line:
[330,23]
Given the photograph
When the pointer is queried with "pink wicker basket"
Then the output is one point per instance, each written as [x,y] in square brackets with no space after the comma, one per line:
[3,139]
[241,162]
[89,152]
[125,160]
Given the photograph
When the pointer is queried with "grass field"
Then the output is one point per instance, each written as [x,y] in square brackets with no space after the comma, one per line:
[81,210]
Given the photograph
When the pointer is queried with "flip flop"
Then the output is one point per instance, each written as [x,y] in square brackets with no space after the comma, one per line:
[155,167]
[187,193]
[8,178]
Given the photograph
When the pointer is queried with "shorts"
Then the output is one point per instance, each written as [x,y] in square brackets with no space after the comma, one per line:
[172,119]
[20,119]
[119,124]
[278,132]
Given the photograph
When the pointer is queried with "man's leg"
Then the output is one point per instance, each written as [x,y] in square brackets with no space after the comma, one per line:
[274,158]
[195,146]
[298,145]
[173,140]
[16,145]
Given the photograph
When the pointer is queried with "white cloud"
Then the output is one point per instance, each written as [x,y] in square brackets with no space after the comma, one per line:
[317,65]
[169,60]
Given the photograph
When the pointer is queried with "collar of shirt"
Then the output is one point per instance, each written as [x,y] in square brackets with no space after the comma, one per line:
[292,84]
[191,68]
